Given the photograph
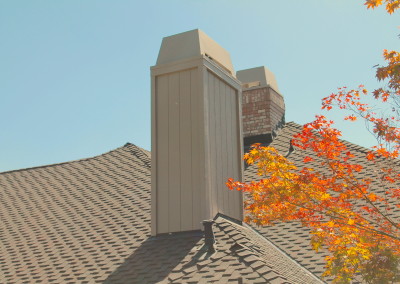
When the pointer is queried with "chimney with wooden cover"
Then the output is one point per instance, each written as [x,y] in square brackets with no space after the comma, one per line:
[196,134]
[263,106]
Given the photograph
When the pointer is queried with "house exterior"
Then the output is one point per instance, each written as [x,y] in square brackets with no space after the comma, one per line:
[128,216]
[89,221]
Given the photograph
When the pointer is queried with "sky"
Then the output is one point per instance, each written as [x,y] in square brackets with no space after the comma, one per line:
[75,75]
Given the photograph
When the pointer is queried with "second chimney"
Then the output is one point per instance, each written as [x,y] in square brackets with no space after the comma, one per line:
[263,106]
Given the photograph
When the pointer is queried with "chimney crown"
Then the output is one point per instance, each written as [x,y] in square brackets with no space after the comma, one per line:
[258,76]
[191,44]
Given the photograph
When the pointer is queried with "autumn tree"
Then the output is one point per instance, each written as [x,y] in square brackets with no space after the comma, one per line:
[353,215]
[390,5]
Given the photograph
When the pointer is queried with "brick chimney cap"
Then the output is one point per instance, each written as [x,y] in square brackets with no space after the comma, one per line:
[260,75]
[192,44]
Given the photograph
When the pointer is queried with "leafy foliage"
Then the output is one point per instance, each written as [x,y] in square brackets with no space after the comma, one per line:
[330,193]
[391,5]
[341,209]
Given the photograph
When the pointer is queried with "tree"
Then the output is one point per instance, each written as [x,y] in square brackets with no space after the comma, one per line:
[391,5]
[330,193]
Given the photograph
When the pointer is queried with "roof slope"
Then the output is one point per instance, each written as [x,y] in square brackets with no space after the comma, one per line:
[88,221]
[240,255]
[291,237]
[74,222]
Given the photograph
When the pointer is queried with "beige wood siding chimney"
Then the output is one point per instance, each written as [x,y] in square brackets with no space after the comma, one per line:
[196,134]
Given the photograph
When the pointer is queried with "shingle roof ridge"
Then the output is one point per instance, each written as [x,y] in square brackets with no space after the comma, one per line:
[142,154]
[127,145]
[350,145]
[267,242]
[282,251]
[360,148]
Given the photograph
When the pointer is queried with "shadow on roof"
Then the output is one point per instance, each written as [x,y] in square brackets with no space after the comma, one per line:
[155,259]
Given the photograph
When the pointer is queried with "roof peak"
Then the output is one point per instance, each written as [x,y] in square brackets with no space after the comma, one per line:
[126,145]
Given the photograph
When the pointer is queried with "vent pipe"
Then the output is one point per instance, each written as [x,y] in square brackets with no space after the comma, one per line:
[209,235]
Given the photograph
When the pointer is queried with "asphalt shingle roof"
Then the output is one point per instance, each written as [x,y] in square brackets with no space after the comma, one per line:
[74,222]
[291,237]
[88,221]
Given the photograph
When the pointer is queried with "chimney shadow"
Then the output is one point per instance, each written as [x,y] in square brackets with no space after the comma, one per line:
[154,260]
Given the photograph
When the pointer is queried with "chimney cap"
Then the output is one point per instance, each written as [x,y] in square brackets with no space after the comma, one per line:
[191,44]
[262,75]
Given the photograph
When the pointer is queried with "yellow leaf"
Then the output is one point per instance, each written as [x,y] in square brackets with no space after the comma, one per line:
[325,196]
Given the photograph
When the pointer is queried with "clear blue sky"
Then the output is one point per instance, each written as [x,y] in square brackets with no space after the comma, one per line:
[75,80]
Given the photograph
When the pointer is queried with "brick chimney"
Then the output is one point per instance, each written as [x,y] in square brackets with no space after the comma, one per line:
[263,107]
[196,134]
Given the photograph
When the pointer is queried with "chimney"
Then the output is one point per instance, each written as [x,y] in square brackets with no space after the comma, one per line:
[196,133]
[263,106]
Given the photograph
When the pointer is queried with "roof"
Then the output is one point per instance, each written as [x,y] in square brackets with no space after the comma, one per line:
[88,221]
[74,222]
[291,237]
[241,255]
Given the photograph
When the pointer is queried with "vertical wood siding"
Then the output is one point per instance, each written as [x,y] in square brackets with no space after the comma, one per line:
[162,153]
[178,152]
[224,146]
[197,142]
[180,148]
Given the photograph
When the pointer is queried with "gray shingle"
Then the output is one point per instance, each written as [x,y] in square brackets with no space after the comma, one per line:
[89,221]
[291,237]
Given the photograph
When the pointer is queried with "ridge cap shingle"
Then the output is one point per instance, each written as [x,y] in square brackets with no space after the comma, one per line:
[78,160]
[256,244]
[357,147]
[142,154]
[265,239]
